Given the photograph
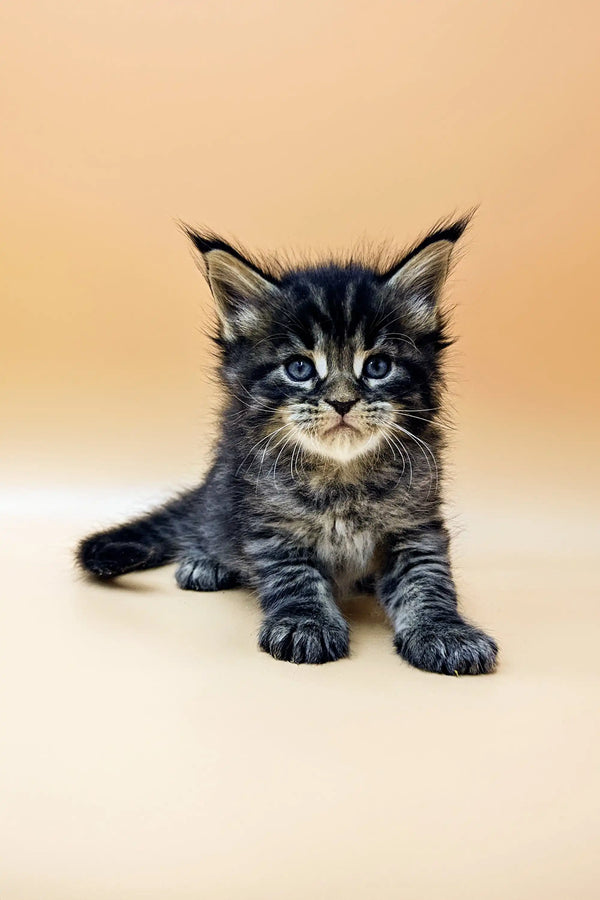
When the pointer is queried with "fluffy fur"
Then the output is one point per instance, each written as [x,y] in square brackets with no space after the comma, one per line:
[327,468]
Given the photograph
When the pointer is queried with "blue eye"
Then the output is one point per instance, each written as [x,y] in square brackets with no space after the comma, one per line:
[377,366]
[300,369]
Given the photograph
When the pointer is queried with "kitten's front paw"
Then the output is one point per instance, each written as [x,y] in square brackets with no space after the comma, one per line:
[303,640]
[456,648]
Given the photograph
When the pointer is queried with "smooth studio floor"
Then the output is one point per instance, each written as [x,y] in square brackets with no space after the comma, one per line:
[150,751]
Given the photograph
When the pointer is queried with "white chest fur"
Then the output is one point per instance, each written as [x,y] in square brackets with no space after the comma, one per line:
[344,547]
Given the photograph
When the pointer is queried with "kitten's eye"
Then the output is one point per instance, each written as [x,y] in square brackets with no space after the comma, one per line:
[377,366]
[300,369]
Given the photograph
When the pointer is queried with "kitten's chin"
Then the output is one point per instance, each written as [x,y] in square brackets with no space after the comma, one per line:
[342,445]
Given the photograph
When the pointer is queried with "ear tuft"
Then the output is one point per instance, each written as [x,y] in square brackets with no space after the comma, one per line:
[416,282]
[239,287]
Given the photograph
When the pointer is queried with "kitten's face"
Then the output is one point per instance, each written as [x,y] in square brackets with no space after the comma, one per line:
[341,408]
[339,360]
[341,395]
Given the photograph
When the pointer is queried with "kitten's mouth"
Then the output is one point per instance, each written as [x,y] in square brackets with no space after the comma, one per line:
[341,426]
[337,438]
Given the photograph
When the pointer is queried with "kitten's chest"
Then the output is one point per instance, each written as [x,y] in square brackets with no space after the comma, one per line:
[345,544]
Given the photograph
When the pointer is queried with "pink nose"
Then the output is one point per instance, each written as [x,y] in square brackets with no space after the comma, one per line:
[342,406]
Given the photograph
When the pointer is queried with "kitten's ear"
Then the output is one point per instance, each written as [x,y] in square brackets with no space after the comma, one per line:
[416,283]
[240,289]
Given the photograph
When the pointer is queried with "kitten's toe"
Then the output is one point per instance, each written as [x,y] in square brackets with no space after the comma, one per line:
[200,573]
[449,649]
[303,640]
[107,559]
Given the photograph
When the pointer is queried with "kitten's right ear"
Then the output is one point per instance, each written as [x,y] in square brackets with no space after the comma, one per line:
[240,289]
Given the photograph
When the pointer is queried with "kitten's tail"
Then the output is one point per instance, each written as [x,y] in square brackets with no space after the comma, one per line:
[144,543]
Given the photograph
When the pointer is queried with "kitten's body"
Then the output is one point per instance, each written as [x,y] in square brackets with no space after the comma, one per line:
[319,483]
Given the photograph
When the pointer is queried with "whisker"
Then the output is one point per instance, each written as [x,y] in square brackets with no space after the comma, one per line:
[426,409]
[255,400]
[399,336]
[393,447]
[267,438]
[405,458]
[256,403]
[408,460]
[429,421]
[265,451]
[424,446]
[286,440]
[387,440]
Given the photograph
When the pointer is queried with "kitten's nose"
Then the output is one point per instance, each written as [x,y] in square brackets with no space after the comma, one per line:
[342,406]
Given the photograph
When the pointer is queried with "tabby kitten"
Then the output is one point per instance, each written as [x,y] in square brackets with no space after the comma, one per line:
[326,471]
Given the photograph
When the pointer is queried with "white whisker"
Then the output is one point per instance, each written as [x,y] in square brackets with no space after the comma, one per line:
[286,440]
[267,438]
[405,458]
[423,446]
[429,421]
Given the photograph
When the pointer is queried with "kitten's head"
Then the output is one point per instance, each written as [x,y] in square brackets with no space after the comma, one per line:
[342,358]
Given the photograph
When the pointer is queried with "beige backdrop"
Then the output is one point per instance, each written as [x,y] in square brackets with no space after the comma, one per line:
[150,751]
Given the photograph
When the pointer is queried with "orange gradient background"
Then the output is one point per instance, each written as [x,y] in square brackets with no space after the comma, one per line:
[141,761]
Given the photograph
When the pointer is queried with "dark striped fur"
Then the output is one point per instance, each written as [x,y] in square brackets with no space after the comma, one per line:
[327,469]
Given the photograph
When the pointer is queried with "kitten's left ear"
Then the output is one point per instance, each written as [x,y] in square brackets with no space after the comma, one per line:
[416,283]
[241,291]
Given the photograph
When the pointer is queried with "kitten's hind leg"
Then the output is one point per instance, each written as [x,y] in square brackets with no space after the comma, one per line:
[199,572]
[147,542]
[144,543]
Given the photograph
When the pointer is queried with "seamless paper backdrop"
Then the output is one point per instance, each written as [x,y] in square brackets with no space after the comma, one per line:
[296,127]
[303,128]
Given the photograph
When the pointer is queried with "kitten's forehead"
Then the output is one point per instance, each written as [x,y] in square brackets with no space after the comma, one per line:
[332,307]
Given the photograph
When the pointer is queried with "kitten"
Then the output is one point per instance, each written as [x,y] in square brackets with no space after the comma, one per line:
[326,472]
